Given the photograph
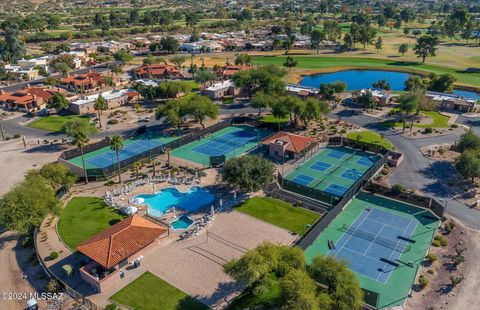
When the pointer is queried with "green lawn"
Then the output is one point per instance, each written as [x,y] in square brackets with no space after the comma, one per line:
[270,119]
[370,137]
[84,217]
[336,63]
[55,123]
[250,299]
[279,213]
[150,292]
[438,121]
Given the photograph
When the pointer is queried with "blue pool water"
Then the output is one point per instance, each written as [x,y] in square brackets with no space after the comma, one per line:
[358,79]
[183,222]
[191,201]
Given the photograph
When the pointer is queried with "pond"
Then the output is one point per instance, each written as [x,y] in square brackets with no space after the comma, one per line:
[358,79]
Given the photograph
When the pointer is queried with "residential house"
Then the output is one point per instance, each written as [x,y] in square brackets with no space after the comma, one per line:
[229,70]
[87,82]
[452,102]
[221,89]
[30,99]
[284,145]
[157,71]
[382,97]
[302,91]
[27,68]
[115,248]
[114,98]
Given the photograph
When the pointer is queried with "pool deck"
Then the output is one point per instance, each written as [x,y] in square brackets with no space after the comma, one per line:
[195,265]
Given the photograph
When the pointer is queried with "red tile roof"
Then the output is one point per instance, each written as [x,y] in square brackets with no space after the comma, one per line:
[121,240]
[295,143]
[156,70]
[27,95]
[230,70]
[93,78]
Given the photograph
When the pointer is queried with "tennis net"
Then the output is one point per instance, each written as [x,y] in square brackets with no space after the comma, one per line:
[240,142]
[397,246]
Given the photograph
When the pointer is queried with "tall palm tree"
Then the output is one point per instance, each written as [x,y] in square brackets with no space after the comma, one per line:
[116,144]
[137,166]
[100,105]
[80,139]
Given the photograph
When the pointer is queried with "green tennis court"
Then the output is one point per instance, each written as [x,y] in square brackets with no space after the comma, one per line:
[105,157]
[229,142]
[333,170]
[385,244]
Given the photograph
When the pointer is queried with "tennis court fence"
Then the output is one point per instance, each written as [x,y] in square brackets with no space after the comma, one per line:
[106,172]
[420,201]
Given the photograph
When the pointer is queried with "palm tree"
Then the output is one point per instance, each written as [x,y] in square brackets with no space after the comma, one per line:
[136,166]
[116,145]
[167,150]
[80,139]
[154,165]
[100,105]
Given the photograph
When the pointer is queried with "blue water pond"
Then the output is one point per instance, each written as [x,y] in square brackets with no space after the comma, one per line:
[359,79]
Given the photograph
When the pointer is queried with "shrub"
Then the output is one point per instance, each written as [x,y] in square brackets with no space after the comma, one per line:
[430,271]
[109,183]
[449,226]
[428,130]
[454,126]
[112,121]
[53,286]
[68,270]
[398,188]
[16,136]
[436,243]
[111,307]
[423,281]
[432,257]
[54,255]
[441,240]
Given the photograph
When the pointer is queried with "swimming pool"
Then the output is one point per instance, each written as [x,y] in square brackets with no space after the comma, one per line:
[183,222]
[190,201]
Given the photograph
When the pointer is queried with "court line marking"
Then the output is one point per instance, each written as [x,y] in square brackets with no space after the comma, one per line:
[349,237]
[373,241]
[367,257]
[389,258]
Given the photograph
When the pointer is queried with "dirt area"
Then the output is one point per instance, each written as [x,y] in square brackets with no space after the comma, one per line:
[421,133]
[15,159]
[461,189]
[440,294]
[440,152]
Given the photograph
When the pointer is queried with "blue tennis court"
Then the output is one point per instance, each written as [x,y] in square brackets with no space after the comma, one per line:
[336,190]
[303,179]
[130,150]
[320,166]
[351,174]
[336,154]
[224,144]
[374,243]
[365,161]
